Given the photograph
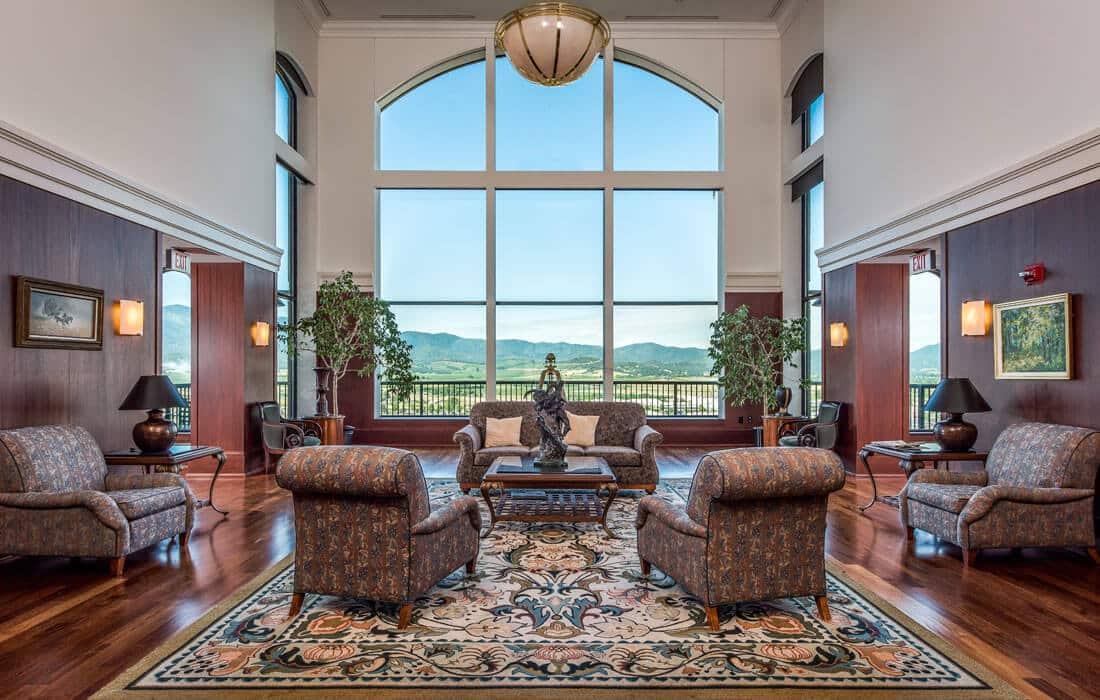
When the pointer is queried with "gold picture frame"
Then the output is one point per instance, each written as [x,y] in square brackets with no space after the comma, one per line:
[1033,338]
[57,315]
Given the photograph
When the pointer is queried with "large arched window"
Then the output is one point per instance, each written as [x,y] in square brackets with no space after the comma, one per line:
[516,220]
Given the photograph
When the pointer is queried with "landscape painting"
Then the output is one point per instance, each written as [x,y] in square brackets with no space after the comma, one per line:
[1032,338]
[55,315]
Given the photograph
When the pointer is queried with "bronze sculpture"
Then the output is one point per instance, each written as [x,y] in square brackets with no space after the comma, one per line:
[553,424]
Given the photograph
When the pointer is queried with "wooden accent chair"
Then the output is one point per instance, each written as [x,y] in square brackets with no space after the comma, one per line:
[753,529]
[1037,490]
[58,499]
[364,527]
[821,433]
[278,434]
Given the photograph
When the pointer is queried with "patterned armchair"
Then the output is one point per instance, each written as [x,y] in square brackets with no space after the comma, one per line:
[1036,491]
[821,433]
[57,499]
[753,529]
[365,529]
[622,438]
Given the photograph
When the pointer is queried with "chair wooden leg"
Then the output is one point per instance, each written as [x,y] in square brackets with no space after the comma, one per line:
[117,566]
[909,536]
[823,607]
[404,615]
[712,618]
[471,566]
[651,488]
[1094,554]
[296,601]
[185,539]
[969,555]
[646,567]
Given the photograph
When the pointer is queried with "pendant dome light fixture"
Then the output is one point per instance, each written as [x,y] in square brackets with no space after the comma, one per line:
[552,43]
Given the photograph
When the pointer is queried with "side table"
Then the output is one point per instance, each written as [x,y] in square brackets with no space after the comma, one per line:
[911,460]
[172,461]
[776,426]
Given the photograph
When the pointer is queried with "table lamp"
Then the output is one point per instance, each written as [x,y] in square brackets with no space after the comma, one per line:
[956,396]
[154,393]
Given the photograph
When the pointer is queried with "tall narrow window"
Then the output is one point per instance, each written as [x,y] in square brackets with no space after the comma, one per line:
[286,234]
[809,190]
[808,101]
[924,347]
[175,359]
[285,109]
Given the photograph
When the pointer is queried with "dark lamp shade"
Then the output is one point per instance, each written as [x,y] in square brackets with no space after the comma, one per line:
[153,391]
[956,395]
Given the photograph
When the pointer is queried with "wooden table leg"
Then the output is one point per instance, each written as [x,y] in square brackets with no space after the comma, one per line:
[209,500]
[863,454]
[612,492]
[485,488]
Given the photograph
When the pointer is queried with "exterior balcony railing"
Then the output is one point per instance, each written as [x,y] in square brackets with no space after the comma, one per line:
[454,399]
[182,416]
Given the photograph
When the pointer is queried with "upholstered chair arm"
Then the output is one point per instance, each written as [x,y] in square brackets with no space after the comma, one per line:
[463,506]
[469,439]
[353,471]
[97,502]
[646,438]
[982,502]
[308,427]
[672,516]
[943,476]
[759,473]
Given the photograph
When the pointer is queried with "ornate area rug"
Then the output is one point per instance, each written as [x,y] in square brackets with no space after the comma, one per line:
[555,607]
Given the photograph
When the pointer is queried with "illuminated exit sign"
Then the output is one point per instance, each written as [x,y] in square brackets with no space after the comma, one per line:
[178,261]
[924,261]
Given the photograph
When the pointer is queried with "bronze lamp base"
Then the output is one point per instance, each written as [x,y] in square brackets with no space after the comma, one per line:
[155,434]
[955,434]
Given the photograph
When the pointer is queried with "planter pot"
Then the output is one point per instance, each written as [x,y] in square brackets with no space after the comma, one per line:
[332,429]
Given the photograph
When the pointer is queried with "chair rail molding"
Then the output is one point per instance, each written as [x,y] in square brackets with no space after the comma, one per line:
[30,159]
[1068,165]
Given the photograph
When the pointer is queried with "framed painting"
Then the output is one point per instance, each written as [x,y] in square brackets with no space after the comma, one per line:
[56,315]
[1033,338]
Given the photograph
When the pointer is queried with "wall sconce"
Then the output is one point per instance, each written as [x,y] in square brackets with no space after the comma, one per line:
[976,317]
[129,317]
[838,335]
[261,334]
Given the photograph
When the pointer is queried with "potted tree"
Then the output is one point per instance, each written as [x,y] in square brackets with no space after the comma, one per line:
[750,353]
[351,327]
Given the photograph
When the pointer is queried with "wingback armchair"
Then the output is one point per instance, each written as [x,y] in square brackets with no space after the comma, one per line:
[58,499]
[1036,490]
[753,528]
[821,433]
[364,527]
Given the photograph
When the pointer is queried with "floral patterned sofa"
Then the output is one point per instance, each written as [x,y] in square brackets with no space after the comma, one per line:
[57,499]
[753,529]
[622,438]
[1036,490]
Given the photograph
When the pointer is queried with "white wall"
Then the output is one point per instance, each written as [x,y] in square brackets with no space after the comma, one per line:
[744,72]
[926,97]
[176,97]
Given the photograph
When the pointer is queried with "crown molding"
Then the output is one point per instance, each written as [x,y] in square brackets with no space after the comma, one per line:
[786,13]
[30,159]
[467,29]
[1071,164]
[754,282]
[313,14]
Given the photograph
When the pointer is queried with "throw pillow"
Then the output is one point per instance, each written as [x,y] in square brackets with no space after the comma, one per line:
[502,432]
[582,430]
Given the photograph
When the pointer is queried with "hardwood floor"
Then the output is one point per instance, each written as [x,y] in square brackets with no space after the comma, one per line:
[67,627]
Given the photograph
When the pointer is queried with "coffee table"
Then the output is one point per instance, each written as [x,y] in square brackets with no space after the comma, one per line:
[533,495]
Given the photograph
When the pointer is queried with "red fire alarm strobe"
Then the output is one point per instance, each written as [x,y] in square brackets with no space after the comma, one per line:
[1034,274]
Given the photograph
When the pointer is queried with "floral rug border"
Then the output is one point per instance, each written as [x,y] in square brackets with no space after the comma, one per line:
[997,687]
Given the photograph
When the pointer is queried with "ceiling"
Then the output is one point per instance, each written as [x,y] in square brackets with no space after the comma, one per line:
[614,10]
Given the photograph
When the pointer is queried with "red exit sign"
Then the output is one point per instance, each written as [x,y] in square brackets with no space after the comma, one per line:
[924,261]
[177,260]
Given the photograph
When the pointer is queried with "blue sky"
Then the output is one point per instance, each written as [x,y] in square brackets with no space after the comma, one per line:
[549,244]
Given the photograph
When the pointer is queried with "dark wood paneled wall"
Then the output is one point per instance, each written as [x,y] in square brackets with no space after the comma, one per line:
[1063,232]
[45,235]
[259,362]
[868,375]
[218,364]
[357,404]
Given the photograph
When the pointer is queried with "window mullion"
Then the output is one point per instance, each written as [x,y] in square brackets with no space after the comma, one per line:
[490,294]
[608,294]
